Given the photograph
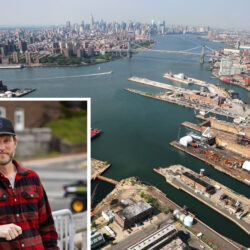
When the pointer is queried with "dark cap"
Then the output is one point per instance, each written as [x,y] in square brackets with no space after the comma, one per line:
[6,127]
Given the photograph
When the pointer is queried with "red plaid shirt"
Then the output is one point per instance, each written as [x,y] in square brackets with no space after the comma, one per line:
[27,206]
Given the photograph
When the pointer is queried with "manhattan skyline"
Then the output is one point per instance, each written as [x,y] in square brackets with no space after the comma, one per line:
[220,14]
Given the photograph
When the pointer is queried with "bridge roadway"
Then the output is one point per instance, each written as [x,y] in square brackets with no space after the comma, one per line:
[158,51]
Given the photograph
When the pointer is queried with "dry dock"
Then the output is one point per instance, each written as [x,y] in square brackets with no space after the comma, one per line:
[173,175]
[239,174]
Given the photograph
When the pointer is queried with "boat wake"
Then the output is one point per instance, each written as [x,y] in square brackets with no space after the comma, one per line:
[62,77]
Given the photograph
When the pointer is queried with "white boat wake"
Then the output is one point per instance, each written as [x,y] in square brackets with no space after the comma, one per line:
[62,77]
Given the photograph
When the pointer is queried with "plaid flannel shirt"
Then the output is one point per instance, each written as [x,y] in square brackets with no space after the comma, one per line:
[27,206]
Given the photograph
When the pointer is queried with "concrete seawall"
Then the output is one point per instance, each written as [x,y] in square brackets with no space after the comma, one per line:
[203,201]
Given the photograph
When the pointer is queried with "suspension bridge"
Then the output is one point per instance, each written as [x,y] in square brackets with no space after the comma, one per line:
[129,51]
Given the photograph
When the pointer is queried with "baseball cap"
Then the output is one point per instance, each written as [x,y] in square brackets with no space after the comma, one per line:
[6,127]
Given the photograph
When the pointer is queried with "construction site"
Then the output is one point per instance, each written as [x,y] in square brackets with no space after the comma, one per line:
[224,145]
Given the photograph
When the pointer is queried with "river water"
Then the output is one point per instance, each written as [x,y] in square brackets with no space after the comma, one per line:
[137,130]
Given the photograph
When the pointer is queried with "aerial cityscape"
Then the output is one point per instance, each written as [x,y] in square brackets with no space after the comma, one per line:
[170,114]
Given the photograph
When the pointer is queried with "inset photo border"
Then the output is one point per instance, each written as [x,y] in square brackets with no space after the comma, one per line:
[45,171]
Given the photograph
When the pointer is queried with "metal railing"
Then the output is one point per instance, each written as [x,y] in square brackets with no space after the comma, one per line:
[65,228]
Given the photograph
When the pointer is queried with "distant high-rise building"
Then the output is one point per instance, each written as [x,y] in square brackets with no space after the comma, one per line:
[92,21]
[68,24]
[15,57]
[28,58]
[2,52]
[22,46]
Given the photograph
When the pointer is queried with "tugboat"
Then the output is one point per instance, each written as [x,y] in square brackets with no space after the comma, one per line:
[95,132]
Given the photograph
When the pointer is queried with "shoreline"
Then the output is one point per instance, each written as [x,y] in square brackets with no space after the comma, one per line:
[168,180]
[138,92]
[125,187]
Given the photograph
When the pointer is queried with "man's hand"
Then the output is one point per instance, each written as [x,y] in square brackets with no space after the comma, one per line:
[10,231]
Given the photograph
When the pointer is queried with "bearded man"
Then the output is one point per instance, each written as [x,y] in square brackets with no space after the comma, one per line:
[26,220]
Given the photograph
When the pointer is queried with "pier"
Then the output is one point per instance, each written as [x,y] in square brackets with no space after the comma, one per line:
[177,101]
[168,173]
[192,126]
[221,241]
[217,162]
[24,92]
[109,180]
[98,167]
[160,85]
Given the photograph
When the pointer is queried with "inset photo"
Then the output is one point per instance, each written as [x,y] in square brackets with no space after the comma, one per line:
[43,173]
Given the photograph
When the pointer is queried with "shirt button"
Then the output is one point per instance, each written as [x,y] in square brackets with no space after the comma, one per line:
[17,215]
[31,195]
[22,245]
[15,199]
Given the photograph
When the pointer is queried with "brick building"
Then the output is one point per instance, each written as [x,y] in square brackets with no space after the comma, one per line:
[134,213]
[26,114]
[197,183]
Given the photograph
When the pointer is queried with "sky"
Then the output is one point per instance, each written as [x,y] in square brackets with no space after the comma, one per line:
[214,13]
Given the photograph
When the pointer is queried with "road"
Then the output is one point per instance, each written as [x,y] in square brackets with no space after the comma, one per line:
[56,172]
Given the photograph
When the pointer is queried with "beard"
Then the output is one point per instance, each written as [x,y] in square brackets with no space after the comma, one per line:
[7,161]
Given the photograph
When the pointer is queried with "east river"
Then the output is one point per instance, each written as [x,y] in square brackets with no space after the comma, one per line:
[137,130]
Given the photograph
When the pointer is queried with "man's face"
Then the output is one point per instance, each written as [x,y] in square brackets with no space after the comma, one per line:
[7,149]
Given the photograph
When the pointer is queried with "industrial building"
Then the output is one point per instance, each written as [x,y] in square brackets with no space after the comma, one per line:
[134,213]
[157,240]
[96,240]
[198,183]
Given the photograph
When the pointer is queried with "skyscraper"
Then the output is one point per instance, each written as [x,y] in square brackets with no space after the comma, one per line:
[68,24]
[92,22]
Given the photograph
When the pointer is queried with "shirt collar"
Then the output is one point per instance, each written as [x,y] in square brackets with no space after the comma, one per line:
[20,169]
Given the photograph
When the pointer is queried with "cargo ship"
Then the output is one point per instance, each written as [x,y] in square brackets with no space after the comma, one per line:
[95,132]
[181,78]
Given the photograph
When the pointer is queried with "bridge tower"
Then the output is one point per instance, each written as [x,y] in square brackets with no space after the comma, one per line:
[129,52]
[202,54]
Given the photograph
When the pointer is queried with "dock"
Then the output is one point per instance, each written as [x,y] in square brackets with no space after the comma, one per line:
[160,85]
[175,79]
[98,167]
[212,159]
[24,92]
[106,179]
[172,176]
[192,126]
[225,243]
[175,101]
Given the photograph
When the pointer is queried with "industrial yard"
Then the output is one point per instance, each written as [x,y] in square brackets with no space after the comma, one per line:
[135,213]
[210,99]
[222,199]
[224,145]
